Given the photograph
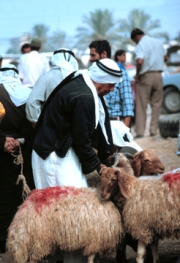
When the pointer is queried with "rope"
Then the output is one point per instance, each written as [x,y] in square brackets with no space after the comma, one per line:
[19,160]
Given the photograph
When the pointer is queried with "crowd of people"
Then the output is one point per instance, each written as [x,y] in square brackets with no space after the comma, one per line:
[58,117]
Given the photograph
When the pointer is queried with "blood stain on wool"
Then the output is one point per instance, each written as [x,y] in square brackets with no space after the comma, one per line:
[171,178]
[43,197]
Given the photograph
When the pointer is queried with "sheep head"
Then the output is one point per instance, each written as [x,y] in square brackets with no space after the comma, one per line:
[109,182]
[113,177]
[146,163]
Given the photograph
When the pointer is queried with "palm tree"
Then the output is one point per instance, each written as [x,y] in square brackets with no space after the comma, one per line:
[14,46]
[40,31]
[98,25]
[138,18]
[57,40]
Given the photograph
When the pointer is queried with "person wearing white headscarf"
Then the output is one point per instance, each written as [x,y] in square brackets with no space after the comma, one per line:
[15,131]
[63,63]
[68,120]
[9,77]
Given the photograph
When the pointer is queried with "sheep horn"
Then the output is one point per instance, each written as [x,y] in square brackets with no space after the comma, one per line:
[129,155]
[116,159]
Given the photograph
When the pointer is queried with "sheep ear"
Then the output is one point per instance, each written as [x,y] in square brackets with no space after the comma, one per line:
[125,184]
[137,164]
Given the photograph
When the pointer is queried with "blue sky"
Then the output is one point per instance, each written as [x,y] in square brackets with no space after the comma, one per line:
[19,16]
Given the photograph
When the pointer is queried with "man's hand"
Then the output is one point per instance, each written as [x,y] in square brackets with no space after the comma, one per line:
[101,167]
[136,79]
[11,145]
[139,63]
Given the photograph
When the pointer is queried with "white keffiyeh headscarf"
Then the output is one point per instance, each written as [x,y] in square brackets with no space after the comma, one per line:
[105,71]
[65,60]
[9,78]
[102,71]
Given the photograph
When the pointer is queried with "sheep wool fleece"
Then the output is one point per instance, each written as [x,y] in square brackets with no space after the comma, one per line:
[153,208]
[65,217]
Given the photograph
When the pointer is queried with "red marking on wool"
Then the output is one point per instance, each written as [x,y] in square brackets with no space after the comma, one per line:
[44,197]
[171,178]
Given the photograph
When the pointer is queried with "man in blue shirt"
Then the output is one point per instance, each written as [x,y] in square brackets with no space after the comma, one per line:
[119,102]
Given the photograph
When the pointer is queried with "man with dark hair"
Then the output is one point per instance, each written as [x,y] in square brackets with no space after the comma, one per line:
[136,32]
[99,49]
[32,64]
[149,56]
[119,102]
[26,48]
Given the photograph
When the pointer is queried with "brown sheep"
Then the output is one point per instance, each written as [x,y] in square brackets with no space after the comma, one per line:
[94,179]
[141,163]
[144,162]
[150,209]
[63,217]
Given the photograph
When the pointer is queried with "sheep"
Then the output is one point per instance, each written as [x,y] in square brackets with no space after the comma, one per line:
[141,163]
[94,180]
[63,217]
[144,162]
[150,209]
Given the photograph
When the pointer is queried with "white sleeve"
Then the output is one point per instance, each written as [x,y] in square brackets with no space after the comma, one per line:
[46,65]
[20,69]
[36,99]
[139,52]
